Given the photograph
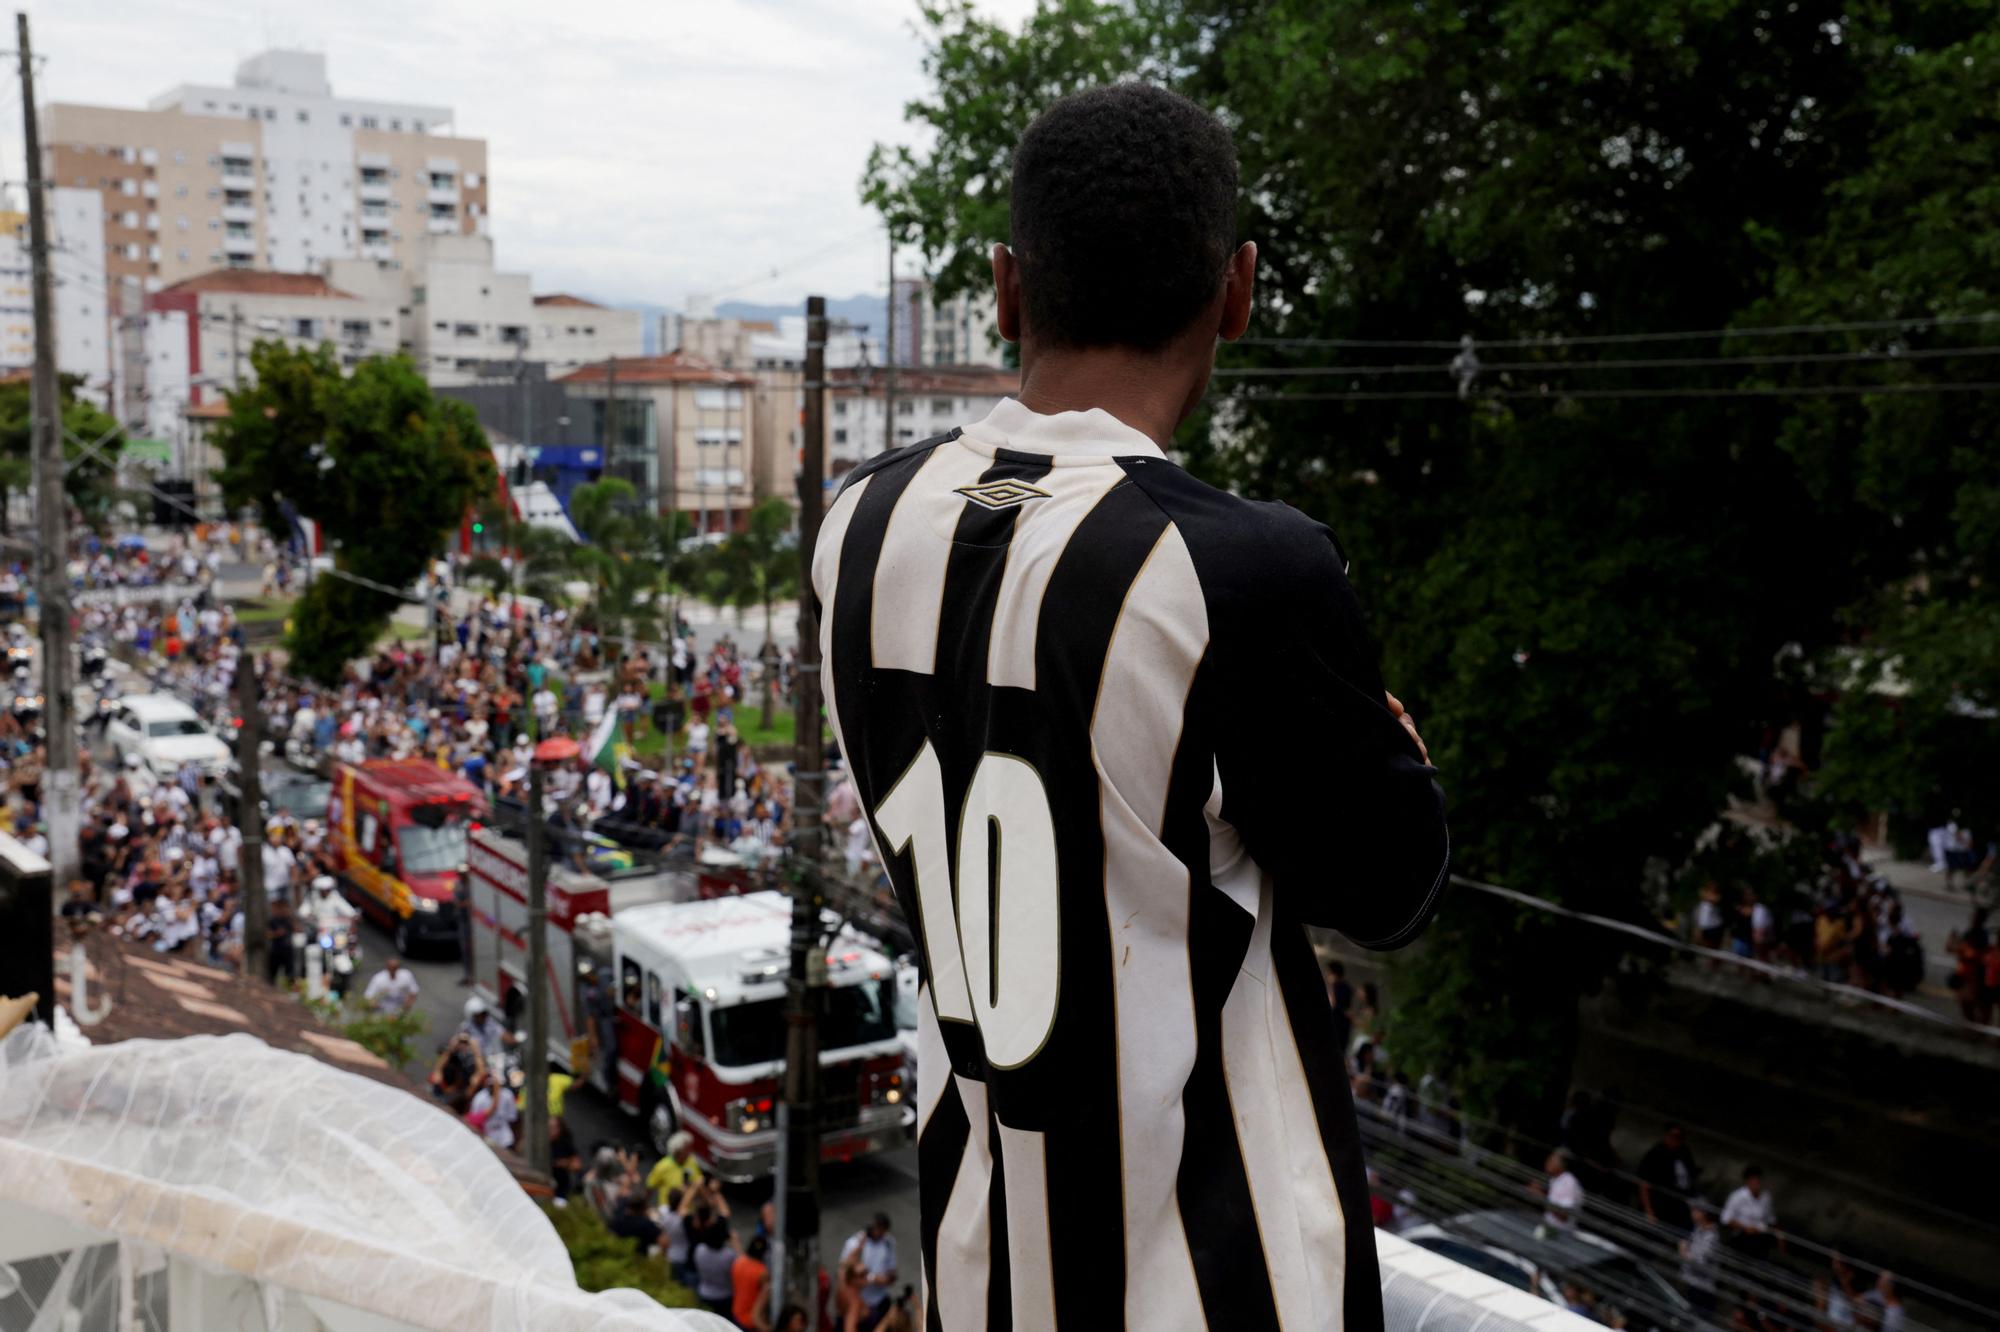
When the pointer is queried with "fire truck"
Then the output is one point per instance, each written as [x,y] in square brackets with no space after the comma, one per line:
[673,1006]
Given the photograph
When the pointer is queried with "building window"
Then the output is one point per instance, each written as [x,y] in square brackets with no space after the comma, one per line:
[465,330]
[906,407]
[940,406]
[906,433]
[395,124]
[305,328]
[368,122]
[840,406]
[716,399]
[303,117]
[441,180]
[346,120]
[840,436]
[180,159]
[181,256]
[514,335]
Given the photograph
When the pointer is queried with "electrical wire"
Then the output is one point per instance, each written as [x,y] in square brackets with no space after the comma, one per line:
[1658,363]
[1556,395]
[1613,339]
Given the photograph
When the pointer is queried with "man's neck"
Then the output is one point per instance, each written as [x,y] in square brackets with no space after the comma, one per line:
[1148,391]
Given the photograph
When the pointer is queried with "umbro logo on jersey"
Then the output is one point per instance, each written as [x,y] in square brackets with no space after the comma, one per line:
[1002,494]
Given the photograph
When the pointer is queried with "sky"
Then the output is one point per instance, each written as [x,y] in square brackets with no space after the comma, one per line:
[639,150]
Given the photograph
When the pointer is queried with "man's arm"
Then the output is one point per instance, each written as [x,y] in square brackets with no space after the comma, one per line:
[1336,798]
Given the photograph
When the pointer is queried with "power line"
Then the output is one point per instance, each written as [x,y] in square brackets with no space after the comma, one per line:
[1553,395]
[1643,363]
[780,270]
[1609,339]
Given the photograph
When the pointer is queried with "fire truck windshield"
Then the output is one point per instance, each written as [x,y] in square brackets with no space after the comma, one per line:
[432,850]
[754,1033]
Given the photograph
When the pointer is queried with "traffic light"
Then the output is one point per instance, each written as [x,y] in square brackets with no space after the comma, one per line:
[477,527]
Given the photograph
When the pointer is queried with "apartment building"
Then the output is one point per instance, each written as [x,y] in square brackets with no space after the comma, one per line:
[681,430]
[84,330]
[465,321]
[199,333]
[933,331]
[928,400]
[272,172]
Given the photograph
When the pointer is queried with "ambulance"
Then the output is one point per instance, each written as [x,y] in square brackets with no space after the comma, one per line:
[673,1006]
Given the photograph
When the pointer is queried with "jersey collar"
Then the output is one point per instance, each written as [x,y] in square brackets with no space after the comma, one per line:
[1068,437]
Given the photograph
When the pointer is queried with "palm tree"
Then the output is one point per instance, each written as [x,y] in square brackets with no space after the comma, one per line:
[757,566]
[532,559]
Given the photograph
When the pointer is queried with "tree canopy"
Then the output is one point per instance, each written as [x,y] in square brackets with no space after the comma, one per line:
[386,467]
[1585,571]
[90,482]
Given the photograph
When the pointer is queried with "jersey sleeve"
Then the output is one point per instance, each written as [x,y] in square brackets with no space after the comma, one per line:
[1327,789]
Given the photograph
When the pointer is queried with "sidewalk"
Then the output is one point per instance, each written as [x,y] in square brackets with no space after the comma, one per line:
[1933,909]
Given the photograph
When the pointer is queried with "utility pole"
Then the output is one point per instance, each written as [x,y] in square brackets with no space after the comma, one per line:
[888,358]
[235,354]
[249,799]
[797,1277]
[610,410]
[51,508]
[537,1126]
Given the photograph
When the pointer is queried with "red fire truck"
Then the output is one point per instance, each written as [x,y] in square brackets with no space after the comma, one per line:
[675,1008]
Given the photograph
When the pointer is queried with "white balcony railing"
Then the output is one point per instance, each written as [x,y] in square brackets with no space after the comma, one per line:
[443,226]
[239,212]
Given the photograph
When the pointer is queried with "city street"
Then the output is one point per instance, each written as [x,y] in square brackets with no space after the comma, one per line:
[850,1194]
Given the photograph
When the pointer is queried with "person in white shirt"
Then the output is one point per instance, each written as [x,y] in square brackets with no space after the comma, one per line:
[495,1101]
[279,862]
[1563,1192]
[545,710]
[1750,1216]
[391,989]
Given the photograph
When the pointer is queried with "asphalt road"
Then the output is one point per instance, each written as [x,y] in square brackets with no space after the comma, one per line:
[850,1194]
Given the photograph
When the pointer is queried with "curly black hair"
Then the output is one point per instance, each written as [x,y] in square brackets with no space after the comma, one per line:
[1124,216]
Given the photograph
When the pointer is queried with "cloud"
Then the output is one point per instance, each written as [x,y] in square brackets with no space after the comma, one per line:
[639,149]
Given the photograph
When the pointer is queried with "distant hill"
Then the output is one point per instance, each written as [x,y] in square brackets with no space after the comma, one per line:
[869,310]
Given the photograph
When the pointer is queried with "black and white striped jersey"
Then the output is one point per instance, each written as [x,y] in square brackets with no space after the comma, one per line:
[1120,737]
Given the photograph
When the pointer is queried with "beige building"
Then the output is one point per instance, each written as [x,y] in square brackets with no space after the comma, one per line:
[271,172]
[681,430]
[464,321]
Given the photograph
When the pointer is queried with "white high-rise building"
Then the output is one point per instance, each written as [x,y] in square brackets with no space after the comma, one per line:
[271,172]
[84,330]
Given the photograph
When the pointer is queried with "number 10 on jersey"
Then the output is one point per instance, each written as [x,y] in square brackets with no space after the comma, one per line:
[993,934]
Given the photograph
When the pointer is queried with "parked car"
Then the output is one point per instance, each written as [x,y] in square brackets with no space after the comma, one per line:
[164,733]
[1516,1247]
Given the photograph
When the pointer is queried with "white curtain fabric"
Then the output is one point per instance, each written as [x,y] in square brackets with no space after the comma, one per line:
[275,1166]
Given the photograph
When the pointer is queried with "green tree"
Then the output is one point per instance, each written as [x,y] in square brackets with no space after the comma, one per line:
[387,469]
[756,567]
[91,482]
[620,559]
[1580,586]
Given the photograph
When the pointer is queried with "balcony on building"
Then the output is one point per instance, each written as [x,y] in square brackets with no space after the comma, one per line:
[442,188]
[237,243]
[238,173]
[443,219]
[239,212]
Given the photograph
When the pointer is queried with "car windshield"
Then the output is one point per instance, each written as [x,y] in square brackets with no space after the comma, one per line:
[306,800]
[179,726]
[431,850]
[754,1033]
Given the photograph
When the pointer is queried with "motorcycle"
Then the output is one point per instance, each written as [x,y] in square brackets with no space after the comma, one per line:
[95,658]
[27,710]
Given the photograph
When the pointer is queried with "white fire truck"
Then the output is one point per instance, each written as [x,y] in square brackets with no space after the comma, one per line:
[679,1014]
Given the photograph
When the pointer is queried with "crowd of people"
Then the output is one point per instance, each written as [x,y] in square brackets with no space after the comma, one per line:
[676,1212]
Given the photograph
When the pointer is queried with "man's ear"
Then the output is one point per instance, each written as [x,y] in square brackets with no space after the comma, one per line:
[1237,284]
[1006,293]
